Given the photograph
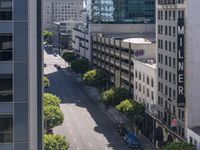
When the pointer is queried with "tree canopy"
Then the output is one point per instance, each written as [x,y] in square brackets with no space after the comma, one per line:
[55,142]
[114,96]
[80,66]
[46,82]
[95,78]
[53,116]
[47,36]
[51,100]
[69,56]
[131,108]
[179,146]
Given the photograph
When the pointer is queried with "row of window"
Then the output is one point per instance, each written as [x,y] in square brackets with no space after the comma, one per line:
[139,87]
[167,45]
[140,77]
[6,128]
[168,91]
[168,61]
[169,30]
[170,2]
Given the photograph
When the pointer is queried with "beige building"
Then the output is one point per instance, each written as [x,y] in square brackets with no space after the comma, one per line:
[116,56]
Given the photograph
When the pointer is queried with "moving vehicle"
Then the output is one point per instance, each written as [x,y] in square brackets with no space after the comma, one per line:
[132,141]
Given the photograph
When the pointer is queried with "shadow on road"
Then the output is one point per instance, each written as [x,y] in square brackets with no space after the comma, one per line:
[65,86]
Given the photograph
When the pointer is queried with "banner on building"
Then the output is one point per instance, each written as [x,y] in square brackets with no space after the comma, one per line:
[180,63]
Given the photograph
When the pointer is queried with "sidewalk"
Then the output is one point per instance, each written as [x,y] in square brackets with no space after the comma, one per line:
[112,114]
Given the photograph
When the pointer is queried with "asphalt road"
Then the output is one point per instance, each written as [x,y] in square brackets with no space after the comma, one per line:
[85,125]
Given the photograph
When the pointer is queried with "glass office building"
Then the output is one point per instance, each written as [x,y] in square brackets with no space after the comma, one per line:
[21,116]
[123,11]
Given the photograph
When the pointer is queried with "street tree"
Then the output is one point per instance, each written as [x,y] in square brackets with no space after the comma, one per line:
[55,142]
[47,36]
[107,97]
[95,77]
[80,66]
[51,100]
[53,116]
[69,56]
[114,96]
[131,109]
[179,146]
[46,82]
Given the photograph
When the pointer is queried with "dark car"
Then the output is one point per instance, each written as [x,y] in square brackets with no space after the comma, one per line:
[50,131]
[55,65]
[45,65]
[132,141]
[121,129]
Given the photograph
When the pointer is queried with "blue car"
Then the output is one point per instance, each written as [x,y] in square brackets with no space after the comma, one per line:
[132,141]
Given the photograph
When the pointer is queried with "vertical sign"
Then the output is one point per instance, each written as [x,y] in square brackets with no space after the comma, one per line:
[180,63]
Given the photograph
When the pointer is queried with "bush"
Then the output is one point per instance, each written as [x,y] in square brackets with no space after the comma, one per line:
[80,66]
[69,56]
[114,96]
[107,97]
[53,116]
[51,100]
[46,82]
[55,142]
[95,78]
[179,146]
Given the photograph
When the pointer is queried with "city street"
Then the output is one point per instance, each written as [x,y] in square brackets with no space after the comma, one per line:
[86,126]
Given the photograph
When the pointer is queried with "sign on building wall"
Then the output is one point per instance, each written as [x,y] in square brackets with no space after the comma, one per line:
[180,63]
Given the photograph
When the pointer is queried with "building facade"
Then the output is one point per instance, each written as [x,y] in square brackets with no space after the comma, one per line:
[177,64]
[123,11]
[116,57]
[145,90]
[62,10]
[80,43]
[21,115]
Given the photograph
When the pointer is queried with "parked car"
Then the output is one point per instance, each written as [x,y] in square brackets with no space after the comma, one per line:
[50,131]
[132,141]
[55,65]
[45,65]
[121,129]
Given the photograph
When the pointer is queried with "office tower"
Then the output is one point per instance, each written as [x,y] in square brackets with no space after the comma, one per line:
[123,11]
[62,10]
[178,66]
[21,119]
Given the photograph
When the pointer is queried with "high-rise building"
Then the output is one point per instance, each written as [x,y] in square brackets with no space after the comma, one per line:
[62,10]
[21,119]
[123,11]
[178,36]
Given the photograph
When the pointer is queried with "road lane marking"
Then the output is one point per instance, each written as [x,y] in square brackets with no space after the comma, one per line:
[90,144]
[88,120]
[71,132]
[74,140]
[79,124]
[78,148]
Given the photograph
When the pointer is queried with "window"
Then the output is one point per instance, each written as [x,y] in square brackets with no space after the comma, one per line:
[6,88]
[6,129]
[5,9]
[152,83]
[148,80]
[5,47]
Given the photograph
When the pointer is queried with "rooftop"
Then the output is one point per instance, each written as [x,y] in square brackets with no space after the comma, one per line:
[147,62]
[137,40]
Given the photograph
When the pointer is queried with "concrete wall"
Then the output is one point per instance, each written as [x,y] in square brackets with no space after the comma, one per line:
[192,54]
[123,28]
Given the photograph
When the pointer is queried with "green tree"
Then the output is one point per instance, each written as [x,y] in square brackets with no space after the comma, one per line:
[114,96]
[55,142]
[95,78]
[51,100]
[69,56]
[46,82]
[120,95]
[47,36]
[179,146]
[131,109]
[80,66]
[53,116]
[107,96]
